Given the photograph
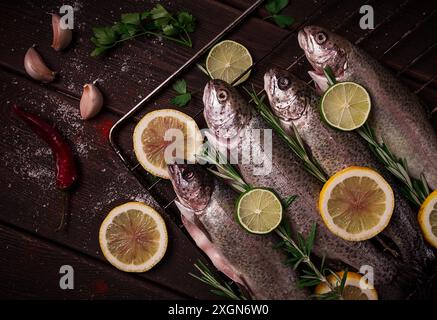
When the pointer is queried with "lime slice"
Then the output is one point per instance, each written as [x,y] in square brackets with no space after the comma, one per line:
[356,203]
[346,106]
[259,211]
[133,237]
[227,60]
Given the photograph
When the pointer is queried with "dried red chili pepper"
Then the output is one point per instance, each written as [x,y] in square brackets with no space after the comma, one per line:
[66,170]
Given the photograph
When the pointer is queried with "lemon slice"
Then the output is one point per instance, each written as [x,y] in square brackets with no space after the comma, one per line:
[259,211]
[133,237]
[227,60]
[356,203]
[346,106]
[428,218]
[163,136]
[356,287]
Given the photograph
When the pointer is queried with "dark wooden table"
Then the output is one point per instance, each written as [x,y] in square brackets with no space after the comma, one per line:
[31,252]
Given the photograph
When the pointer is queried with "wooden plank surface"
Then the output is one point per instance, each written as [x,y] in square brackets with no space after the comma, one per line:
[29,207]
[39,263]
[29,197]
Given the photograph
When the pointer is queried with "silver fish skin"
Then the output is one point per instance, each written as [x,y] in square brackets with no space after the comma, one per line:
[207,208]
[288,177]
[397,116]
[296,103]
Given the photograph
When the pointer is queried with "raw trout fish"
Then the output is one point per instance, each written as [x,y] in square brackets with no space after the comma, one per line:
[207,210]
[229,117]
[296,103]
[397,116]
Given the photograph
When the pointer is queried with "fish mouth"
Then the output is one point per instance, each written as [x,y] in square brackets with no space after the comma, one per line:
[303,40]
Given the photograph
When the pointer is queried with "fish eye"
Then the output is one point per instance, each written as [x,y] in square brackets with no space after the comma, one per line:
[222,95]
[283,83]
[187,175]
[321,37]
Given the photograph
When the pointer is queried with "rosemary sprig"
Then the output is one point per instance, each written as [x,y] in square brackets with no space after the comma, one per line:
[300,251]
[221,289]
[414,190]
[224,169]
[294,142]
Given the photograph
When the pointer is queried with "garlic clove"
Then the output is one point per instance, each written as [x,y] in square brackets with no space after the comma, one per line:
[91,101]
[61,37]
[36,67]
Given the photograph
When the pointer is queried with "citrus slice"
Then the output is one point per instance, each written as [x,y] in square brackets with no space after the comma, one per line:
[356,203]
[356,287]
[163,136]
[346,106]
[133,237]
[227,60]
[259,211]
[428,219]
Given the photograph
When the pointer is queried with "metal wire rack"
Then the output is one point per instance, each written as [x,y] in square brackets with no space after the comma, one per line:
[136,169]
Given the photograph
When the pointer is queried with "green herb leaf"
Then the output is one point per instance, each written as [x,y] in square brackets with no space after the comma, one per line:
[310,240]
[283,21]
[186,21]
[157,22]
[169,30]
[97,51]
[145,15]
[159,12]
[131,18]
[104,35]
[180,86]
[289,201]
[275,6]
[220,288]
[181,100]
[128,30]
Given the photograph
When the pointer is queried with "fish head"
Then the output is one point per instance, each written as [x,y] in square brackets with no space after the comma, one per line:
[225,112]
[288,96]
[193,185]
[324,48]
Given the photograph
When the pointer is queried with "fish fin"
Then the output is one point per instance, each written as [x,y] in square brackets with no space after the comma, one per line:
[213,253]
[320,81]
[191,216]
[187,213]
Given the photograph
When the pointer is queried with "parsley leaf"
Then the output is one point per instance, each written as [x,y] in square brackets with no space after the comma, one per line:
[181,100]
[274,7]
[131,18]
[159,12]
[158,22]
[186,21]
[180,86]
[283,21]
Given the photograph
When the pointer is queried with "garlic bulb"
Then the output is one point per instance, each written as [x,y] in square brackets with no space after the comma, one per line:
[36,67]
[61,37]
[91,101]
